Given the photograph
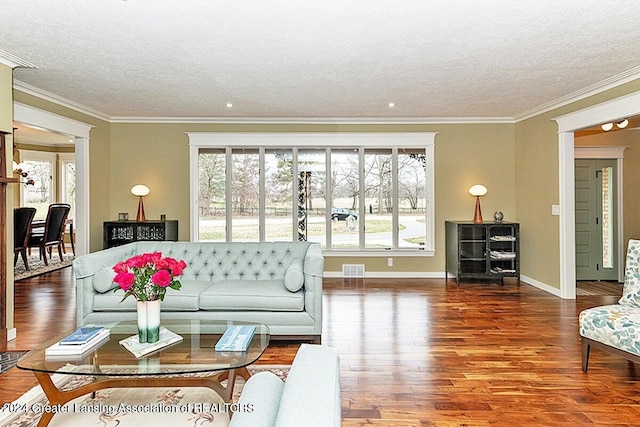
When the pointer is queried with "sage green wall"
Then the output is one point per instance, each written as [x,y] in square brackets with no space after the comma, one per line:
[99,170]
[157,155]
[537,187]
[6,125]
[518,164]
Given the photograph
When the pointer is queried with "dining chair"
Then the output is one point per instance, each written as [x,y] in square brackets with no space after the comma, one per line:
[53,231]
[22,218]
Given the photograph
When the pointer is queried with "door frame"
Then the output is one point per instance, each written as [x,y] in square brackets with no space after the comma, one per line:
[615,109]
[80,131]
[610,153]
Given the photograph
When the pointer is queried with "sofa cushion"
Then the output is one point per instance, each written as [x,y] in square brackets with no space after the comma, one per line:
[615,325]
[294,277]
[186,299]
[251,295]
[103,280]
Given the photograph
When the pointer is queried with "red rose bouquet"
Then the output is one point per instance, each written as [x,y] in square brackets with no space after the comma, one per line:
[147,276]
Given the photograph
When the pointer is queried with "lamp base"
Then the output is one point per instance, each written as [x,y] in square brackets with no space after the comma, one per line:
[477,216]
[140,216]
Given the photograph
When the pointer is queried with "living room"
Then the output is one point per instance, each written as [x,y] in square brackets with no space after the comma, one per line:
[513,145]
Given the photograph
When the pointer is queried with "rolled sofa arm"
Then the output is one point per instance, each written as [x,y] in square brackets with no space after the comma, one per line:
[259,402]
[84,269]
[313,268]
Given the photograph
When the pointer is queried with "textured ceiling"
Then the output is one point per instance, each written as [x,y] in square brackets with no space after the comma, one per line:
[323,59]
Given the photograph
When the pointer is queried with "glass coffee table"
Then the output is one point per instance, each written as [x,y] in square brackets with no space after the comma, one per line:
[192,362]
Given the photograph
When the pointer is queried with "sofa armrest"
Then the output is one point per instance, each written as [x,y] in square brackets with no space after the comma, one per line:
[311,394]
[313,269]
[86,266]
[259,401]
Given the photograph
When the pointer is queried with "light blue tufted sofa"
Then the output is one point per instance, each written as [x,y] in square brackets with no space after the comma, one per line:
[275,283]
[616,328]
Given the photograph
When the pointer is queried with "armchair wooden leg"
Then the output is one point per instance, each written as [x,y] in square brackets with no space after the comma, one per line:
[586,349]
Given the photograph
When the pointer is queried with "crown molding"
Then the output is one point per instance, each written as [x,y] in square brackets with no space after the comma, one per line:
[318,120]
[594,89]
[58,100]
[13,61]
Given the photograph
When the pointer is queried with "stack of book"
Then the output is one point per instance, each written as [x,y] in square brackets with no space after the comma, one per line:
[78,344]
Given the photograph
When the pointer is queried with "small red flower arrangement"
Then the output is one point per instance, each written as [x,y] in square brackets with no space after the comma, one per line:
[147,276]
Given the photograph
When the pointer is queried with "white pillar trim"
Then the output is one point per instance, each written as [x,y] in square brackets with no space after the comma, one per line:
[616,109]
[80,131]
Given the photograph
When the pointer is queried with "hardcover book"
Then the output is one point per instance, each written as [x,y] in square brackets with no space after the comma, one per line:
[81,335]
[59,349]
[236,338]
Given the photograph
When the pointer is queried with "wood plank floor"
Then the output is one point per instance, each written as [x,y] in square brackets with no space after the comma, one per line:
[424,352]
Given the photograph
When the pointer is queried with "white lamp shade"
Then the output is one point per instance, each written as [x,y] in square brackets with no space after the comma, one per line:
[140,190]
[478,190]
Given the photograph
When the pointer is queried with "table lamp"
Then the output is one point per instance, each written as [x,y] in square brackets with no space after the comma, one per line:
[478,191]
[140,191]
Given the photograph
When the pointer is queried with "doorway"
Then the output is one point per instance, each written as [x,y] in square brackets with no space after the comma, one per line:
[596,225]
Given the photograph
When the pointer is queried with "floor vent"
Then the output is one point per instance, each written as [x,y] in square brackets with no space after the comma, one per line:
[352,270]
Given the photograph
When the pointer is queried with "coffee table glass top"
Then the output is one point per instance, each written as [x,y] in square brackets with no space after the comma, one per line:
[194,354]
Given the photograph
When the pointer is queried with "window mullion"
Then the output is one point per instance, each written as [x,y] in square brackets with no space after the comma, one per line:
[361,198]
[294,193]
[228,173]
[261,195]
[395,223]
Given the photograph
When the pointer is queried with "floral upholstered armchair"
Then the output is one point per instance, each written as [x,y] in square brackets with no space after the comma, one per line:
[616,328]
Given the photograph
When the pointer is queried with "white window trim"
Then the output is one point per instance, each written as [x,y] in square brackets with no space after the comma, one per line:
[422,140]
[63,160]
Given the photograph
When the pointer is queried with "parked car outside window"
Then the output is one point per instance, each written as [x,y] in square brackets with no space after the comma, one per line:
[341,214]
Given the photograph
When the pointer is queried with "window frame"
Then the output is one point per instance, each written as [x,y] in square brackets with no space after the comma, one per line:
[323,141]
[41,156]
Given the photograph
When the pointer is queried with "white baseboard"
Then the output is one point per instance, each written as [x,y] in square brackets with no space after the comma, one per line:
[390,274]
[541,286]
[12,334]
[435,275]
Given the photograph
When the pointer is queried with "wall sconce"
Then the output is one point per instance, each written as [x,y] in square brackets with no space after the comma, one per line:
[620,125]
[140,191]
[478,191]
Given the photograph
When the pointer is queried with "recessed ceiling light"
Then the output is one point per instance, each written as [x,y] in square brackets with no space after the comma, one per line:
[607,127]
[392,104]
[229,105]
[623,124]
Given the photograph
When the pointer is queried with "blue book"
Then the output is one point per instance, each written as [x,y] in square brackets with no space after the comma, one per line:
[236,338]
[82,335]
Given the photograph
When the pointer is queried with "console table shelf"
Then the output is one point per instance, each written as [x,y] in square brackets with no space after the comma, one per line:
[116,233]
[489,250]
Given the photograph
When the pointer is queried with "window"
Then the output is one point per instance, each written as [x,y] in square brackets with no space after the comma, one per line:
[350,192]
[54,176]
[41,168]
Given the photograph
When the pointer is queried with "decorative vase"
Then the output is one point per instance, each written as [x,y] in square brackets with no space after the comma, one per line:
[498,216]
[148,321]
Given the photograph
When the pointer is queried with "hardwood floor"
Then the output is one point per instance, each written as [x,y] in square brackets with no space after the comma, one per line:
[424,352]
